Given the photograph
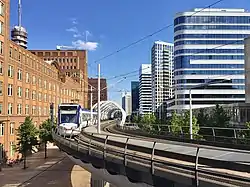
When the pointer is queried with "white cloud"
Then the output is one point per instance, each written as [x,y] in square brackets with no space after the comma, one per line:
[74,21]
[72,29]
[80,44]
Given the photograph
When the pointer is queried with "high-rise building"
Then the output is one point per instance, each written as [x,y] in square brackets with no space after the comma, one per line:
[247,70]
[145,89]
[28,85]
[126,103]
[209,48]
[72,62]
[135,96]
[162,76]
[104,90]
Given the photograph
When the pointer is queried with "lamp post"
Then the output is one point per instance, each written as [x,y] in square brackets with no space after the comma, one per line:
[190,103]
[98,102]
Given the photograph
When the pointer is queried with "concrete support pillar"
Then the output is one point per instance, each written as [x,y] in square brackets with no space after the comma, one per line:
[97,182]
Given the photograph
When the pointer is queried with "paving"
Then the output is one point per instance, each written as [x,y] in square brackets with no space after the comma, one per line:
[57,171]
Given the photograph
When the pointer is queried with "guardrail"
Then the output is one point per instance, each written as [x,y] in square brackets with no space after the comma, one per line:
[236,136]
[106,144]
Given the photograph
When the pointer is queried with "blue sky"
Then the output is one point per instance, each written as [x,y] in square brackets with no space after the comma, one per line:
[110,25]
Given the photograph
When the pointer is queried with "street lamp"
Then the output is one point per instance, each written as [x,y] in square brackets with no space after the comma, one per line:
[190,103]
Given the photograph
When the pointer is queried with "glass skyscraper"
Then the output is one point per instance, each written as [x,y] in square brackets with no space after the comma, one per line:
[209,47]
[135,96]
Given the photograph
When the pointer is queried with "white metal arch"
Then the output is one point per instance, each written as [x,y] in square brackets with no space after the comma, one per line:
[109,108]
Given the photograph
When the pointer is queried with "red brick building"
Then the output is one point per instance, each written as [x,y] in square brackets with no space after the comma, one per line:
[104,91]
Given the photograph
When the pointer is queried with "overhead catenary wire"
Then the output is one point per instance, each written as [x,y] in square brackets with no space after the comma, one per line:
[152,34]
[216,47]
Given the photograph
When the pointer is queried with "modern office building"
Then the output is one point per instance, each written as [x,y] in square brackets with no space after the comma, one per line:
[72,62]
[127,103]
[162,76]
[135,96]
[145,89]
[209,47]
[247,70]
[28,85]
[104,90]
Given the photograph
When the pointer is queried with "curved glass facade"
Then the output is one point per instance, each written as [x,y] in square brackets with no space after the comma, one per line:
[206,48]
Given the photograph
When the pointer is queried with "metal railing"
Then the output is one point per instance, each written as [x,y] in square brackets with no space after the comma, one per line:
[214,134]
[103,144]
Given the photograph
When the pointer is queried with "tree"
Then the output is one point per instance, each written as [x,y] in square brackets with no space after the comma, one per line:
[27,138]
[186,124]
[180,123]
[203,118]
[147,121]
[175,123]
[45,134]
[219,117]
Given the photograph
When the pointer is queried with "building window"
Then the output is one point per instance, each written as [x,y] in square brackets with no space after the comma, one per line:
[27,93]
[1,108]
[45,111]
[10,51]
[27,77]
[34,95]
[19,91]
[33,80]
[49,86]
[1,67]
[10,71]
[1,87]
[39,83]
[39,111]
[12,149]
[27,109]
[12,128]
[19,75]
[1,9]
[10,108]
[19,109]
[10,89]
[39,96]
[33,110]
[1,129]
[1,47]
[1,28]
[45,84]
[45,97]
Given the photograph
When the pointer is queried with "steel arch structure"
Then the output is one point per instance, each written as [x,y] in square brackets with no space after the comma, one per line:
[110,109]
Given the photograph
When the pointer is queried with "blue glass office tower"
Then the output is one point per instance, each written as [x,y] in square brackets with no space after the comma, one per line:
[135,96]
[209,47]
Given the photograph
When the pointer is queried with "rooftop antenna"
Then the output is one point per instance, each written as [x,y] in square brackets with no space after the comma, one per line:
[19,13]
[19,33]
[86,36]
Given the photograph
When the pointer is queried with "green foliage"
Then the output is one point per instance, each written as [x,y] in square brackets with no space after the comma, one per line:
[180,123]
[27,138]
[147,121]
[203,118]
[175,123]
[219,117]
[45,131]
[135,119]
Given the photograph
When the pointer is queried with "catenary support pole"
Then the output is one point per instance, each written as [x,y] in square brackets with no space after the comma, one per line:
[99,94]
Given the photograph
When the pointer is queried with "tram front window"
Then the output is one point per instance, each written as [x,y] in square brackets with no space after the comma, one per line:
[68,118]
